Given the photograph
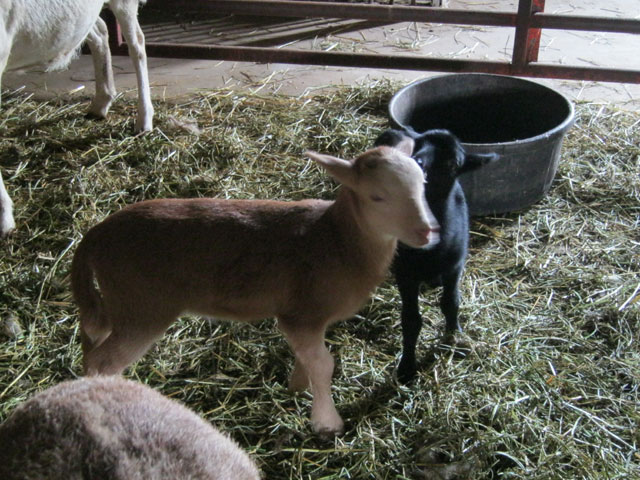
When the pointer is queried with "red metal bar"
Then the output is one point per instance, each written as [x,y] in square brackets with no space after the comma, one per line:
[399,13]
[590,24]
[315,57]
[533,34]
[385,13]
[519,56]
[397,62]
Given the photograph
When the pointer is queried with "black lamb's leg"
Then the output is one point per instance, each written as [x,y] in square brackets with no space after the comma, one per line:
[450,301]
[411,325]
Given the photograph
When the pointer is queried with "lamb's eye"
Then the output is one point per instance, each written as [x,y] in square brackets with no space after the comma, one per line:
[376,198]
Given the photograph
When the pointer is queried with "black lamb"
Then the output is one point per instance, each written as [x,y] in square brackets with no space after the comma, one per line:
[443,159]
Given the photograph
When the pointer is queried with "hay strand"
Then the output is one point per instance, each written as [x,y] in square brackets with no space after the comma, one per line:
[549,388]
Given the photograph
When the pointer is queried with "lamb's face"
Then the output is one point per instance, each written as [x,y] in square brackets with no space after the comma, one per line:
[391,187]
[440,155]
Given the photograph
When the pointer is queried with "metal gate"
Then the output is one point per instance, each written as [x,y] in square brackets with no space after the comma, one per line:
[528,22]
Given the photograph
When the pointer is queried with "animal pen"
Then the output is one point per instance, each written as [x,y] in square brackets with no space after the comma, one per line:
[528,21]
[547,385]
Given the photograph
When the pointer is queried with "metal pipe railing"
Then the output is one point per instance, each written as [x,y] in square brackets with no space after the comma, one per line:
[527,21]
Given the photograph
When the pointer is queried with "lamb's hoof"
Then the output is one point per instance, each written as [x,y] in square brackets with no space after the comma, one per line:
[143,125]
[6,233]
[328,431]
[7,226]
[97,111]
[406,372]
[94,116]
[457,342]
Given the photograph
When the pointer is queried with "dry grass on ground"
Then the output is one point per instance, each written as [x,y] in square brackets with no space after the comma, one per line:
[549,390]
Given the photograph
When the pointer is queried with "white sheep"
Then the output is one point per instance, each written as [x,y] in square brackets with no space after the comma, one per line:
[108,427]
[308,263]
[50,32]
[7,223]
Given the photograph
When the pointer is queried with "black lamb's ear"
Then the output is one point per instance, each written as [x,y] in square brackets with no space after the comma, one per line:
[398,139]
[409,131]
[473,161]
[389,138]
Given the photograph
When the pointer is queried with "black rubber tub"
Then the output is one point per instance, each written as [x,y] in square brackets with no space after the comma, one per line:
[523,121]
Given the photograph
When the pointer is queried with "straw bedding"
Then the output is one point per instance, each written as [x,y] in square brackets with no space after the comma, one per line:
[548,388]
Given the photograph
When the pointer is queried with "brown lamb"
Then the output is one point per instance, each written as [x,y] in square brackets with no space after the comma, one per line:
[308,263]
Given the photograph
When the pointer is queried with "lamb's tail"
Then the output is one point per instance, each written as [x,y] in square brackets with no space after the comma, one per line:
[95,327]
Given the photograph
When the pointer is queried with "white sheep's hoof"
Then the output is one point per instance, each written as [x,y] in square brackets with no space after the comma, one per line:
[144,123]
[99,107]
[96,114]
[7,223]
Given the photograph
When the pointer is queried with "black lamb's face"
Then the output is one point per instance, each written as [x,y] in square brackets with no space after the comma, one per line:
[440,154]
[444,156]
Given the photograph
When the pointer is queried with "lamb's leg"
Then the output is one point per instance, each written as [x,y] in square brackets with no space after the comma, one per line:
[450,301]
[116,353]
[299,380]
[126,13]
[98,41]
[411,325]
[93,331]
[5,50]
[7,223]
[315,359]
[132,334]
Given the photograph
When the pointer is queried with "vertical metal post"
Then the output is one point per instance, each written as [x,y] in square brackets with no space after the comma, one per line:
[533,36]
[527,39]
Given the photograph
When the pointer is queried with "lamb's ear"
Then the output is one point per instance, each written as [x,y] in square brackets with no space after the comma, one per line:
[341,170]
[473,161]
[406,145]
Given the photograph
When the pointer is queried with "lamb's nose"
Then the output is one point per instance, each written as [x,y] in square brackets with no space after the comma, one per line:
[428,235]
[427,230]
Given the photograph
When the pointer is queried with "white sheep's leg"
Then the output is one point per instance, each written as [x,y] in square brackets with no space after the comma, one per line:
[299,380]
[311,352]
[5,50]
[126,12]
[98,41]
[7,223]
[4,56]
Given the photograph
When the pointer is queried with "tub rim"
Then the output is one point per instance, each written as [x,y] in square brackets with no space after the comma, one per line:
[557,130]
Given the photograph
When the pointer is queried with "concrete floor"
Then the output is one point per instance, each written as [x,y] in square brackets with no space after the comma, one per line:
[174,78]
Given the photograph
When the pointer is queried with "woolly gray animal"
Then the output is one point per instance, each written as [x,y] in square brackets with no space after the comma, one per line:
[109,428]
